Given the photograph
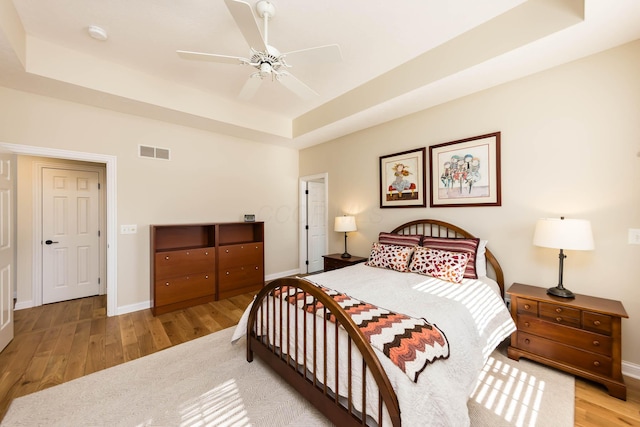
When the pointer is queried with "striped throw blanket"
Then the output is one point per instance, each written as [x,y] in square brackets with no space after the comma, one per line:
[410,343]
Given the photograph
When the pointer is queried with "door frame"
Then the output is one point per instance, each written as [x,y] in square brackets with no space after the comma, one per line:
[111,280]
[302,245]
[38,279]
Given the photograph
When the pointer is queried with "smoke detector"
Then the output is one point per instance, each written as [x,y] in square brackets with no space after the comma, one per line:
[97,33]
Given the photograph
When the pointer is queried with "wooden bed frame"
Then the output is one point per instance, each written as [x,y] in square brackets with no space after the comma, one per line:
[303,377]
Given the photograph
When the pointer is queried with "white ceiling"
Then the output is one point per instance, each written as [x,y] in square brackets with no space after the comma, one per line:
[398,57]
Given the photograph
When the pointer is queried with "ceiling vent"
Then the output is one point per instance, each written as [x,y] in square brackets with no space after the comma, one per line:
[154,152]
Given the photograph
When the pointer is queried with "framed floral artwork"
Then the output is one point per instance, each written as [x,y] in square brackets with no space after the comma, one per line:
[403,179]
[466,172]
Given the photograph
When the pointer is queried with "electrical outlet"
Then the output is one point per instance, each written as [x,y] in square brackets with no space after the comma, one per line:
[634,236]
[128,229]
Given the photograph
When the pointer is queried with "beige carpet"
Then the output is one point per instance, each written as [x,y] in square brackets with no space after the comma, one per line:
[207,382]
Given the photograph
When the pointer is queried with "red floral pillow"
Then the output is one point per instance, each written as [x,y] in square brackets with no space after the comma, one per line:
[469,246]
[390,256]
[445,265]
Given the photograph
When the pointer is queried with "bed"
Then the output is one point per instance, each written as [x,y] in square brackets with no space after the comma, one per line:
[300,328]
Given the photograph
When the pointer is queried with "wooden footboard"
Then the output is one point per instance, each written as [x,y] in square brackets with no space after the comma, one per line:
[278,341]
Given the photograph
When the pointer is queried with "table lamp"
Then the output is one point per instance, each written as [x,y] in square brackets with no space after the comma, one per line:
[345,224]
[563,234]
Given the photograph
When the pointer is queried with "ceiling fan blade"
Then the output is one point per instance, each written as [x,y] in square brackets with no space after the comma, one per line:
[328,53]
[250,88]
[245,20]
[212,57]
[289,81]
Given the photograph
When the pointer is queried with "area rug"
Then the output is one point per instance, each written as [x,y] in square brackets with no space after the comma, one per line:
[207,382]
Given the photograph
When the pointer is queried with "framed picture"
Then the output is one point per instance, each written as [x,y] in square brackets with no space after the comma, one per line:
[466,172]
[402,179]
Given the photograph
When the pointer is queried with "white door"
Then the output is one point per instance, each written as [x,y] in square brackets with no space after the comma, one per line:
[317,226]
[7,187]
[70,234]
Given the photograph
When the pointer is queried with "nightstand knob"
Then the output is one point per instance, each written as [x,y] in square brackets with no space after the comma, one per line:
[166,284]
[527,324]
[527,341]
[558,310]
[558,319]
[596,363]
[527,306]
[596,322]
[596,343]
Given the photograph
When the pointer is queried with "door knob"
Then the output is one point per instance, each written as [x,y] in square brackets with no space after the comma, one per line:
[48,242]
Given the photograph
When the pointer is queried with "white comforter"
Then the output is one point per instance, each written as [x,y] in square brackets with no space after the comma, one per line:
[471,314]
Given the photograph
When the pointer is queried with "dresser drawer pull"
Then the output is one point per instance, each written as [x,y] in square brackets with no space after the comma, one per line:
[227,251]
[527,324]
[558,310]
[227,273]
[166,257]
[527,306]
[256,267]
[596,322]
[206,253]
[596,363]
[596,343]
[527,341]
[558,319]
[166,284]
[206,277]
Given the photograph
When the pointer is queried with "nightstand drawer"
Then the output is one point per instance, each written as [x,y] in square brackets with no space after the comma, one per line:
[567,335]
[527,306]
[559,314]
[596,322]
[592,362]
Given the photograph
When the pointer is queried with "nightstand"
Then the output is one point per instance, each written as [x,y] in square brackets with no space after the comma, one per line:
[334,261]
[581,335]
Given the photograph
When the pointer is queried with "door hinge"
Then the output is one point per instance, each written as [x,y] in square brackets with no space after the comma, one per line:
[306,191]
[306,262]
[98,186]
[98,280]
[306,227]
[98,233]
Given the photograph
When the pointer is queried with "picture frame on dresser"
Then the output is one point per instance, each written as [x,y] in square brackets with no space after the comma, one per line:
[466,172]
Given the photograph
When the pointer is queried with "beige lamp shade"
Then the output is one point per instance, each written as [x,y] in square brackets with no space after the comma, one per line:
[345,224]
[558,233]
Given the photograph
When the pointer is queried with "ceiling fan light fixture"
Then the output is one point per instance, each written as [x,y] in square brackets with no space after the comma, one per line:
[265,69]
[97,33]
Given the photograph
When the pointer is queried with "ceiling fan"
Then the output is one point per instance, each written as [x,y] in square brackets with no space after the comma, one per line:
[266,59]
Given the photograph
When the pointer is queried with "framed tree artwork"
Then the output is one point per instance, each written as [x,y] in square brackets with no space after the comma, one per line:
[403,179]
[466,172]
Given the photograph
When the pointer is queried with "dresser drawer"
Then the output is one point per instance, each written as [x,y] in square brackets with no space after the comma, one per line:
[240,277]
[184,288]
[592,362]
[237,255]
[180,263]
[584,340]
[527,306]
[559,314]
[596,322]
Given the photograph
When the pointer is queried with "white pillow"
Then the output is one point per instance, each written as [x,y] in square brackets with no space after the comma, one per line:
[481,260]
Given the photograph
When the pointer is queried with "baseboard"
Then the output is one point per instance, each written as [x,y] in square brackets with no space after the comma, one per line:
[23,304]
[133,307]
[631,370]
[281,274]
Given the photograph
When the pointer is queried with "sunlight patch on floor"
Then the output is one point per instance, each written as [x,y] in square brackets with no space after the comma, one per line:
[221,406]
[510,393]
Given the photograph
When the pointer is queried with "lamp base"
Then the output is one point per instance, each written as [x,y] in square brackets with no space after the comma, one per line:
[345,255]
[560,292]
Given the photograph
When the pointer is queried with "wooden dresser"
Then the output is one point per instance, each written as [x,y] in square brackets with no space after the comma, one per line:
[193,264]
[581,335]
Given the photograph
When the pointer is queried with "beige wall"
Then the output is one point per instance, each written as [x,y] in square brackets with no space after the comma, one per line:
[209,178]
[570,146]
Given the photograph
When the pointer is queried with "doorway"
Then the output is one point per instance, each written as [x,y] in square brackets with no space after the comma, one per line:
[110,162]
[313,222]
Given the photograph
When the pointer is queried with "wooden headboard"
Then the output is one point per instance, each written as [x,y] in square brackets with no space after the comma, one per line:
[435,228]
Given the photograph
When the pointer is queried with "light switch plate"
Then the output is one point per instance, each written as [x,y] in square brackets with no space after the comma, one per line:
[634,236]
[128,229]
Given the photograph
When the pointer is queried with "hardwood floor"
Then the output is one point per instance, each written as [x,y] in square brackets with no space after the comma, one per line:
[59,342]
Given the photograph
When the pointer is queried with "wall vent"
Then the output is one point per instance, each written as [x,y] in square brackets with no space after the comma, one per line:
[154,152]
